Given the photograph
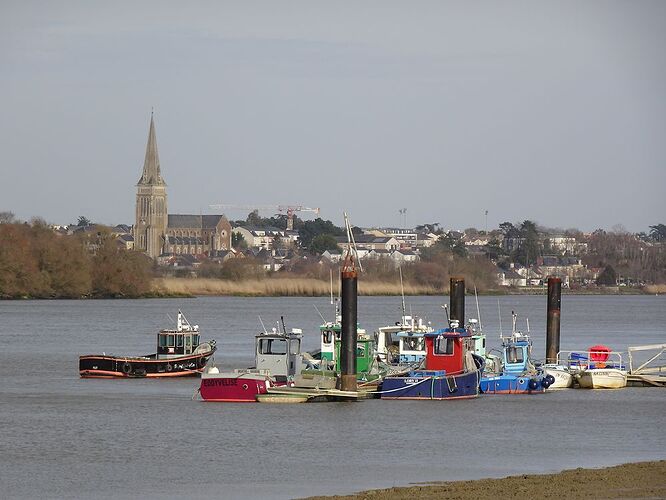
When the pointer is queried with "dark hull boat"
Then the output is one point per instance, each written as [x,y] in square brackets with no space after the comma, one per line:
[452,371]
[179,354]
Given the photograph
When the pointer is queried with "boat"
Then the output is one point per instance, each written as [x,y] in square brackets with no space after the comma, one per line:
[277,358]
[597,368]
[452,370]
[563,378]
[402,342]
[513,371]
[179,354]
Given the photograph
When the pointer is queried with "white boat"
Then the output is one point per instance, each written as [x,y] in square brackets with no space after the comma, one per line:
[597,368]
[563,377]
[602,378]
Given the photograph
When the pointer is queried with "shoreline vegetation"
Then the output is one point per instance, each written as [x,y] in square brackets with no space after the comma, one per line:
[633,480]
[312,287]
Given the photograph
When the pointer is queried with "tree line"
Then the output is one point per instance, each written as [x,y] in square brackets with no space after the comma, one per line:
[36,262]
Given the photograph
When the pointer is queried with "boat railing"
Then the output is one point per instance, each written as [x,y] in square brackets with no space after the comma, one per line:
[647,359]
[579,360]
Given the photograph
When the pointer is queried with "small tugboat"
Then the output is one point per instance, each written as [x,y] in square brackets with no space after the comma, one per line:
[277,359]
[179,354]
[514,372]
[452,370]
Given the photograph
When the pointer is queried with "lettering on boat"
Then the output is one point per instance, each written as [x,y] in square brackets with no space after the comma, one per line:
[212,382]
[412,381]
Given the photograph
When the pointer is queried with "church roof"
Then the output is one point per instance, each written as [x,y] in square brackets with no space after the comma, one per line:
[151,166]
[190,221]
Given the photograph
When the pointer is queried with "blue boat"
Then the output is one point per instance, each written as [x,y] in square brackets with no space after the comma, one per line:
[513,372]
[452,370]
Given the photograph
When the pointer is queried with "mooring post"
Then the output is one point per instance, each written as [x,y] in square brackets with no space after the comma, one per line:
[349,293]
[457,300]
[553,319]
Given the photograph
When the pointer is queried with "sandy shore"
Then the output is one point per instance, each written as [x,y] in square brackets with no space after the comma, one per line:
[637,480]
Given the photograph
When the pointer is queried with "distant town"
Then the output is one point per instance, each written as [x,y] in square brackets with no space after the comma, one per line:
[123,260]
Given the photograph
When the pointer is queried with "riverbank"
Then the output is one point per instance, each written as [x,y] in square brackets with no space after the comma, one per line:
[309,287]
[636,480]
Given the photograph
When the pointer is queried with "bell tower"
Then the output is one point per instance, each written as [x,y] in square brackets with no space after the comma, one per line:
[151,202]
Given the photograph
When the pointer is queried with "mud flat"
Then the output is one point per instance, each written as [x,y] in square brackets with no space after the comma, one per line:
[636,480]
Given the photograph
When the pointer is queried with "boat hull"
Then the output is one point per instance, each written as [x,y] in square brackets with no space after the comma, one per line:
[234,387]
[465,385]
[101,366]
[602,378]
[510,384]
[563,379]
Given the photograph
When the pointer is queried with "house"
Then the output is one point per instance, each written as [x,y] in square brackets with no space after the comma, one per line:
[370,242]
[509,277]
[125,241]
[332,255]
[264,237]
[405,256]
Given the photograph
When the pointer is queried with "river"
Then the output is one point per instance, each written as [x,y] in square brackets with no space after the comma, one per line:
[65,437]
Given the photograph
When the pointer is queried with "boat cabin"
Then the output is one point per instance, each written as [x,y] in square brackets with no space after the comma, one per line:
[516,353]
[388,338]
[446,349]
[365,353]
[411,347]
[179,342]
[279,353]
[331,333]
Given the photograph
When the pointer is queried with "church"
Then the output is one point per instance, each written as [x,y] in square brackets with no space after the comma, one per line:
[158,233]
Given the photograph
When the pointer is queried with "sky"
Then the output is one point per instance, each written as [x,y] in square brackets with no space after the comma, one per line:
[549,111]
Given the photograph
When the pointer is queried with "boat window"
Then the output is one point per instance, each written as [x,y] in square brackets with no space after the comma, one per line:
[443,346]
[294,347]
[360,351]
[163,340]
[272,346]
[514,355]
[188,340]
[170,340]
[179,341]
[195,340]
[413,344]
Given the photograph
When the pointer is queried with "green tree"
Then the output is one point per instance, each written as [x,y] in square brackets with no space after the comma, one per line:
[83,221]
[658,232]
[323,242]
[316,227]
[607,277]
[237,241]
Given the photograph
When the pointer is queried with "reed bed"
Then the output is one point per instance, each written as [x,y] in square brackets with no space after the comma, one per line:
[655,289]
[276,287]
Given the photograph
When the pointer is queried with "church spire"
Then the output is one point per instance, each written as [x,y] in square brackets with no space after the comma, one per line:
[151,165]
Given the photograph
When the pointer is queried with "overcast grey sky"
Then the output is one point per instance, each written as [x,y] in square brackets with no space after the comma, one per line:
[554,112]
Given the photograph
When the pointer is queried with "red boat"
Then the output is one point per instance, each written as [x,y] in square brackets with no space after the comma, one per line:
[277,359]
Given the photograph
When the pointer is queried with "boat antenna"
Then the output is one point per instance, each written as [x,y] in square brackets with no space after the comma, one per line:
[446,311]
[478,311]
[170,318]
[331,275]
[318,312]
[262,325]
[402,291]
[528,324]
[514,317]
[284,328]
[499,313]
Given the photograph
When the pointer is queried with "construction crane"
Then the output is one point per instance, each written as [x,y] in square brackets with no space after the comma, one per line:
[283,209]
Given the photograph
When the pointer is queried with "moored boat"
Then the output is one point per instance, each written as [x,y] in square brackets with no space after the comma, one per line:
[179,354]
[513,371]
[277,359]
[598,368]
[452,370]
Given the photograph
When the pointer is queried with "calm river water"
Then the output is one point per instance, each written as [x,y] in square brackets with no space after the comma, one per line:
[64,437]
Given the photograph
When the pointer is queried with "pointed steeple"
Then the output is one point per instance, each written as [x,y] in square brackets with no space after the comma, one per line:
[151,165]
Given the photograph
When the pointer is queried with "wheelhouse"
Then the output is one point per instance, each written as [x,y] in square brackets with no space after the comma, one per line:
[446,349]
[279,353]
[179,342]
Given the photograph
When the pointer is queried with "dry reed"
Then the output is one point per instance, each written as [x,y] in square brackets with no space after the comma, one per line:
[297,287]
